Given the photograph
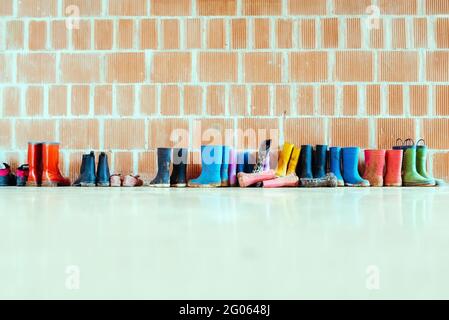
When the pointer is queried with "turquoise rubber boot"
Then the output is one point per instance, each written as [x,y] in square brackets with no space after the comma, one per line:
[211,160]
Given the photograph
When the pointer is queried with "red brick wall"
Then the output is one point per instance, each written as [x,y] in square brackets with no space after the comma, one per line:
[135,70]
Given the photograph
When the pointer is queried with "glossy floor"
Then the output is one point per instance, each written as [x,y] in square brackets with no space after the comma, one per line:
[224,243]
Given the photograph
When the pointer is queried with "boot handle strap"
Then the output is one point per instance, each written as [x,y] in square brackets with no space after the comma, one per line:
[407,141]
[399,142]
[421,140]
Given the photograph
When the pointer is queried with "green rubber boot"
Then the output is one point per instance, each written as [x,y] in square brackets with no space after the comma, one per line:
[411,177]
[421,161]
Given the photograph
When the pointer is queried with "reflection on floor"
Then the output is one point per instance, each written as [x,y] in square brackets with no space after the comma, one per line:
[224,243]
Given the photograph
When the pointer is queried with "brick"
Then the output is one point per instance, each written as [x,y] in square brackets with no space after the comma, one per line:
[350,100]
[80,100]
[307,7]
[170,100]
[388,130]
[442,100]
[57,100]
[58,34]
[351,6]
[398,7]
[302,131]
[308,66]
[215,100]
[327,100]
[79,134]
[169,133]
[103,34]
[340,127]
[217,131]
[124,134]
[193,33]
[81,37]
[398,66]
[193,100]
[239,33]
[6,8]
[125,100]
[354,66]
[442,33]
[36,68]
[420,33]
[399,34]
[353,33]
[216,34]
[179,64]
[123,163]
[437,66]
[284,29]
[262,7]
[125,33]
[435,132]
[11,101]
[80,68]
[14,34]
[262,67]
[34,130]
[6,67]
[282,100]
[373,99]
[441,164]
[395,100]
[72,171]
[37,35]
[147,162]
[171,8]
[34,101]
[125,67]
[128,7]
[5,134]
[437,7]
[253,131]
[217,67]
[86,7]
[305,100]
[260,100]
[37,8]
[418,100]
[308,33]
[377,35]
[330,33]
[238,101]
[103,100]
[261,33]
[170,31]
[217,7]
[148,100]
[148,34]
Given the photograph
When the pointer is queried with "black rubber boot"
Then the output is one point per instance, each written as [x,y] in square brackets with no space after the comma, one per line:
[162,179]
[87,172]
[7,179]
[319,161]
[178,176]
[103,173]
[22,173]
[304,169]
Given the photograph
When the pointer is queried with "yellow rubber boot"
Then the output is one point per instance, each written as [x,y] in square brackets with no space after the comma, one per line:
[284,157]
[291,169]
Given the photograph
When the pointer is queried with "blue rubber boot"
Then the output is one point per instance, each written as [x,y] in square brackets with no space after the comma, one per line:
[225,167]
[162,179]
[335,164]
[319,161]
[240,162]
[211,160]
[248,167]
[304,169]
[351,168]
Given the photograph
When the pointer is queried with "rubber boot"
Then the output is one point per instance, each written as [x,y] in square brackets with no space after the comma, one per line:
[284,158]
[240,162]
[87,176]
[421,162]
[374,167]
[7,179]
[289,181]
[35,164]
[232,168]
[162,179]
[103,174]
[248,164]
[210,177]
[293,163]
[335,164]
[410,176]
[328,181]
[225,167]
[51,175]
[304,170]
[259,173]
[350,168]
[22,173]
[393,160]
[178,175]
[319,161]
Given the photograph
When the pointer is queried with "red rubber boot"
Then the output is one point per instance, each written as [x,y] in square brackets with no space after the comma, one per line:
[51,176]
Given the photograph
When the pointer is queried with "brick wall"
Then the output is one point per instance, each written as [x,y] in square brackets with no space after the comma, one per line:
[132,71]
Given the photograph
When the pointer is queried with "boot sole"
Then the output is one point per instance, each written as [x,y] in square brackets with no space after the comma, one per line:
[210,185]
[357,185]
[159,185]
[32,184]
[88,184]
[103,185]
[418,185]
[179,185]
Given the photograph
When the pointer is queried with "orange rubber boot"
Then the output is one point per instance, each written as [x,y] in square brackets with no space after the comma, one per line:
[374,168]
[35,164]
[51,176]
[394,167]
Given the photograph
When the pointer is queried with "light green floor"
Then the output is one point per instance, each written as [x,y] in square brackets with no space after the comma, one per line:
[227,243]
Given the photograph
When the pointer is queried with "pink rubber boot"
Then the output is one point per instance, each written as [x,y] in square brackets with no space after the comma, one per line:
[232,168]
[290,180]
[248,179]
